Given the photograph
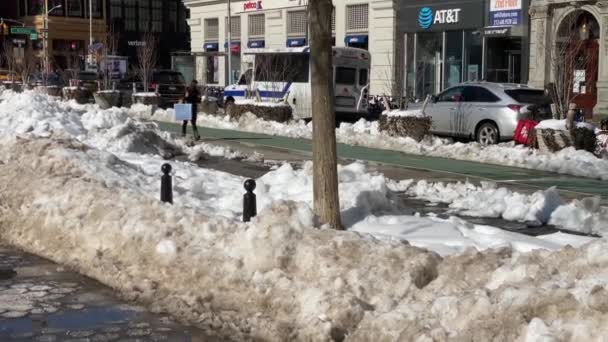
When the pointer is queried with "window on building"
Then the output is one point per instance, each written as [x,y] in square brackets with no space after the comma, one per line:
[357,18]
[130,15]
[235,29]
[157,16]
[184,14]
[212,29]
[297,23]
[333,20]
[74,8]
[172,23]
[256,26]
[97,6]
[115,9]
[36,7]
[144,16]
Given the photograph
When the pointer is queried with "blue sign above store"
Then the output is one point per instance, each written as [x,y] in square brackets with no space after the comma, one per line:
[211,46]
[505,18]
[254,44]
[296,42]
[355,39]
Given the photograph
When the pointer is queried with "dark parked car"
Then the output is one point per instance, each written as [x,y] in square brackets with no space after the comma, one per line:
[170,84]
[52,80]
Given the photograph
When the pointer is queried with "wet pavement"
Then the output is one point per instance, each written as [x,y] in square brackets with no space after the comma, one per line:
[43,301]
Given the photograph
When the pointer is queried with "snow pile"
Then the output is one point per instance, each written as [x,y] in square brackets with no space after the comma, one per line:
[253,102]
[278,278]
[366,133]
[417,113]
[487,200]
[560,125]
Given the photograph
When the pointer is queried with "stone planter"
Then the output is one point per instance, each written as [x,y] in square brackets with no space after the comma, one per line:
[405,126]
[208,106]
[271,112]
[80,95]
[107,99]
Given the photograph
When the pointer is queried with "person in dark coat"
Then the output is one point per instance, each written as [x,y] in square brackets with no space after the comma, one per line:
[193,96]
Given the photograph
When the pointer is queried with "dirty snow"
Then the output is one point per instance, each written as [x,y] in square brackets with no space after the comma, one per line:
[405,113]
[86,197]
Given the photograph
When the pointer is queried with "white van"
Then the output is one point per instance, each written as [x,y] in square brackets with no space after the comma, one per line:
[284,75]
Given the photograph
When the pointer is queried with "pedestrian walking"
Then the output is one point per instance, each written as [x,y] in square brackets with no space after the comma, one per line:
[193,97]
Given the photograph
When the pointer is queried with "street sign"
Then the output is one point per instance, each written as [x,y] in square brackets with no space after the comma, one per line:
[33,36]
[22,30]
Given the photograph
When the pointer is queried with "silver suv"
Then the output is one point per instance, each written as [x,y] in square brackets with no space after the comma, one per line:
[486,112]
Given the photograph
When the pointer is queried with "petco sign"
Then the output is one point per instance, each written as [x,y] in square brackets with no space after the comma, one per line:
[427,17]
[252,5]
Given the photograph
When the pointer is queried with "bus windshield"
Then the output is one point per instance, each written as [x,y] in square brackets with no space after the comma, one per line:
[282,67]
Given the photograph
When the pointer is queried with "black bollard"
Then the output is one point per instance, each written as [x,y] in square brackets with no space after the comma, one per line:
[249,201]
[166,186]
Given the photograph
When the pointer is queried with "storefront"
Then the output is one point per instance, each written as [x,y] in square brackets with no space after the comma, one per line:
[506,41]
[443,45]
[284,24]
[568,52]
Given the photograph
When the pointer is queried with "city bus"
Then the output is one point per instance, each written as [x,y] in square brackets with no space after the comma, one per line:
[283,75]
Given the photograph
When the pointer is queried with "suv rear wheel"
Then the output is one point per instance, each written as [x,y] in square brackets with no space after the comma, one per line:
[487,134]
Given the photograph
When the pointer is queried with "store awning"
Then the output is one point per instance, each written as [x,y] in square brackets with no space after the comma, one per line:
[295,42]
[359,39]
[211,46]
[235,47]
[255,44]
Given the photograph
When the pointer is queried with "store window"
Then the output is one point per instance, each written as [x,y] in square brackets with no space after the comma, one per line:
[235,27]
[256,26]
[75,8]
[357,18]
[473,55]
[438,60]
[211,29]
[297,24]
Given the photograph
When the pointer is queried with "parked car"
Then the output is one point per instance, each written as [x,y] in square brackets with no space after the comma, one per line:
[8,76]
[52,79]
[484,111]
[170,85]
[88,80]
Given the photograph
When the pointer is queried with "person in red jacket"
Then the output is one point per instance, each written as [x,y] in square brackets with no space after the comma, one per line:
[193,96]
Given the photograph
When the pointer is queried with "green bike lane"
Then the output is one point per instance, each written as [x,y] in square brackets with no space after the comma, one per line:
[491,172]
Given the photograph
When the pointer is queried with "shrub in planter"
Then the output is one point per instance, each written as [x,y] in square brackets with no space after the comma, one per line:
[107,98]
[271,111]
[415,127]
[81,95]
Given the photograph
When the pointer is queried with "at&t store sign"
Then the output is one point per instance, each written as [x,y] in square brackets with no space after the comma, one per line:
[428,17]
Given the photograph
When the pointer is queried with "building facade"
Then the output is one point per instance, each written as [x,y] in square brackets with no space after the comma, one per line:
[576,29]
[130,20]
[68,27]
[444,43]
[365,24]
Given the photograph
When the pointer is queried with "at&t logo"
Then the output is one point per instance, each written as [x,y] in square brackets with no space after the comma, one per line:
[425,18]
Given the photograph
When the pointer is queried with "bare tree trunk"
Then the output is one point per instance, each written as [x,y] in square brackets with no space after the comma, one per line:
[325,183]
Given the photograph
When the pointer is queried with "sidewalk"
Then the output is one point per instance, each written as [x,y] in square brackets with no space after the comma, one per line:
[44,301]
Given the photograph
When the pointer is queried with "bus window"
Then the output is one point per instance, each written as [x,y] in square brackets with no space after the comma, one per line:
[284,67]
[346,76]
[246,77]
[363,77]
